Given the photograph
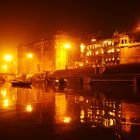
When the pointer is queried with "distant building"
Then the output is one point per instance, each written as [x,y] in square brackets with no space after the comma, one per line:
[120,49]
[47,54]
[33,56]
[129,50]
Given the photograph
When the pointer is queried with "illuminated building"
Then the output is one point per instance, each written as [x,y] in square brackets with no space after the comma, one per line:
[42,51]
[129,50]
[130,116]
[63,52]
[120,49]
[47,54]
[8,64]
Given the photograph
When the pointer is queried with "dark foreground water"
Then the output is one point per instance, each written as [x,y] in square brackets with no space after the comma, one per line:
[97,113]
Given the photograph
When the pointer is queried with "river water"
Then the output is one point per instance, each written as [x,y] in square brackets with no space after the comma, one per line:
[72,113]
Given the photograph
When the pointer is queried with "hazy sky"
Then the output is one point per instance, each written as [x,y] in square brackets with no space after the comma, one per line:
[29,20]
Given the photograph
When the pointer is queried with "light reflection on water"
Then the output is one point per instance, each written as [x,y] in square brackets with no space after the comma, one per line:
[67,109]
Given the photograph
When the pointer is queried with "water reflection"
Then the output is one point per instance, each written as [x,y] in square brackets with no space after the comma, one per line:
[70,109]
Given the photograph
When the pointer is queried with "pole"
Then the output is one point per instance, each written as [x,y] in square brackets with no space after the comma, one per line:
[66,58]
[42,55]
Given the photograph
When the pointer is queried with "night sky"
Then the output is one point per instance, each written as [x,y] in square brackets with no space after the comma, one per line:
[30,20]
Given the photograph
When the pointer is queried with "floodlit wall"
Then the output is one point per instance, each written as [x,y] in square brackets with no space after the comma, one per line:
[129,55]
[60,58]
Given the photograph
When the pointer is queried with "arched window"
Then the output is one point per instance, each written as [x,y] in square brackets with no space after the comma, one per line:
[122,41]
[125,41]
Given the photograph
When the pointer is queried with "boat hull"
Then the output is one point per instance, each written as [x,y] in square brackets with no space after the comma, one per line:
[21,84]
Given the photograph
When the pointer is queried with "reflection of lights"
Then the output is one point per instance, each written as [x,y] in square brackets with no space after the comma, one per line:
[119,111]
[6,103]
[67,119]
[119,115]
[86,100]
[81,98]
[114,106]
[111,122]
[89,113]
[108,122]
[126,128]
[29,108]
[98,112]
[82,121]
[103,112]
[4,67]
[56,80]
[3,92]
[82,114]
[81,65]
[93,126]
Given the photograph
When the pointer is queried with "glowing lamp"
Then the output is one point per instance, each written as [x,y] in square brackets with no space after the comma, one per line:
[67,46]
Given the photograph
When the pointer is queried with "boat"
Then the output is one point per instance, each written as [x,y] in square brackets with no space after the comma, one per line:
[21,83]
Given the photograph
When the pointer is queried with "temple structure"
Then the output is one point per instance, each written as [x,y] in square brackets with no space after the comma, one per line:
[120,49]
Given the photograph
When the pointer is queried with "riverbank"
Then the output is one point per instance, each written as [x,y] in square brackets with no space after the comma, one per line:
[115,74]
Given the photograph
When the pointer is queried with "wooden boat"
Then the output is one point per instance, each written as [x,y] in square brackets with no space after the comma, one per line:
[20,83]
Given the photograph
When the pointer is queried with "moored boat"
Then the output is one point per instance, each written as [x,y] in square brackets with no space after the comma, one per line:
[20,83]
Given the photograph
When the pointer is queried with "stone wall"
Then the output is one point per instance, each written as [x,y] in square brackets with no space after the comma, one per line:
[130,55]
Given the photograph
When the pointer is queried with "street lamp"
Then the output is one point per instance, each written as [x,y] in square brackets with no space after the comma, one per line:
[8,58]
[29,55]
[67,46]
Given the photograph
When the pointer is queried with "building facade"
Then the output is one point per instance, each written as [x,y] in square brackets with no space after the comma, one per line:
[33,56]
[56,53]
[129,50]
[120,49]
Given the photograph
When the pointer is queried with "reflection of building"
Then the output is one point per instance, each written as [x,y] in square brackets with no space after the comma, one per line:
[60,107]
[96,112]
[130,115]
[105,113]
[119,49]
[48,54]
